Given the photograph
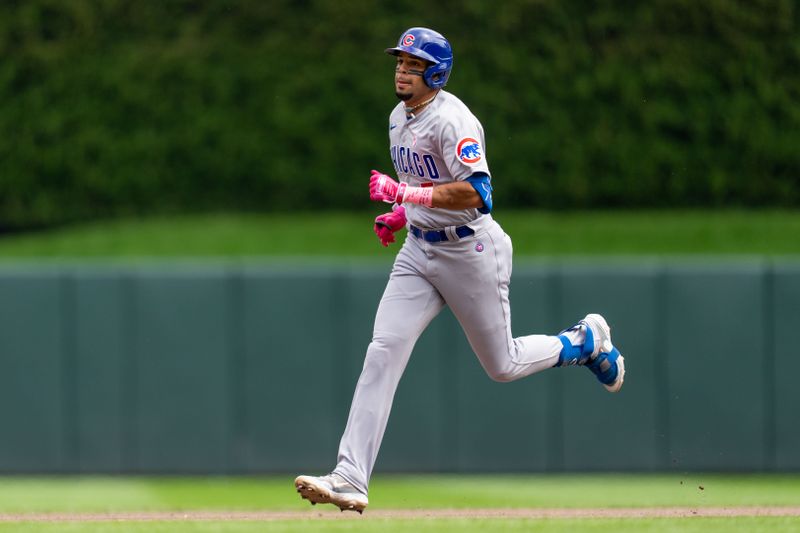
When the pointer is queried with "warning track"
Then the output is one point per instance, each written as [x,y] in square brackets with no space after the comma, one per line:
[402,514]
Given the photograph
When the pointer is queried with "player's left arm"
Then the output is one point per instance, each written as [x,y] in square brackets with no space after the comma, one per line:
[474,192]
[456,195]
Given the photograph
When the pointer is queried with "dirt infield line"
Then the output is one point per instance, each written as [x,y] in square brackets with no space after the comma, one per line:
[403,514]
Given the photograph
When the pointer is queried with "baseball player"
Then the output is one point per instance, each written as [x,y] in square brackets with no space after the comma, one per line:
[454,254]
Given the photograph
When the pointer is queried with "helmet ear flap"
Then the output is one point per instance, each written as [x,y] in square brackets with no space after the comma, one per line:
[436,76]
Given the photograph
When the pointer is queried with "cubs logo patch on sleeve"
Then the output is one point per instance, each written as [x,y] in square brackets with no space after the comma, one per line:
[469,151]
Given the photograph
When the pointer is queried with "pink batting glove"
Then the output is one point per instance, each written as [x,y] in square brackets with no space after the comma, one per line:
[385,235]
[382,188]
[388,223]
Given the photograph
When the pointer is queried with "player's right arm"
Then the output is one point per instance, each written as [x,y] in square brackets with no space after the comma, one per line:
[387,224]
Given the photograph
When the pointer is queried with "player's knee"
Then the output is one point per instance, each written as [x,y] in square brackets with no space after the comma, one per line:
[377,354]
[384,344]
[501,375]
[383,350]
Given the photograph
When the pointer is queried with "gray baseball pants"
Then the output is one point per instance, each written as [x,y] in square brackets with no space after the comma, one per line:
[471,275]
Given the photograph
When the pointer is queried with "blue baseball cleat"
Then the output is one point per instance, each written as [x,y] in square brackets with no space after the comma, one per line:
[597,353]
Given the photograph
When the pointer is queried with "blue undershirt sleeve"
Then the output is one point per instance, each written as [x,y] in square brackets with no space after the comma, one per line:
[483,185]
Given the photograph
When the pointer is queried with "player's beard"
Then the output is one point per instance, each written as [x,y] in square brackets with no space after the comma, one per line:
[403,96]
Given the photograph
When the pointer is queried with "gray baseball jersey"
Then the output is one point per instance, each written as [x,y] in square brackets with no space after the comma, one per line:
[470,274]
[443,144]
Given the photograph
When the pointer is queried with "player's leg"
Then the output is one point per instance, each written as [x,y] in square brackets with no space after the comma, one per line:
[474,280]
[408,305]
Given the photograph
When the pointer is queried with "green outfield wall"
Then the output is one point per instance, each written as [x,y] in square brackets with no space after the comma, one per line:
[249,368]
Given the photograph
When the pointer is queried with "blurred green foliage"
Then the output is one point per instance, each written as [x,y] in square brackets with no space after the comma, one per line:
[119,107]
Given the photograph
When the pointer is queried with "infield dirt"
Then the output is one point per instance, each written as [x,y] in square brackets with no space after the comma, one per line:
[404,514]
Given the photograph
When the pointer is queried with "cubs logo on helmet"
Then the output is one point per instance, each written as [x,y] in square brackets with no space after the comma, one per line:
[408,39]
[469,150]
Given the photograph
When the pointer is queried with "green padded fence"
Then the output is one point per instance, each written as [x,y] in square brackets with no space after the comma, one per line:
[227,369]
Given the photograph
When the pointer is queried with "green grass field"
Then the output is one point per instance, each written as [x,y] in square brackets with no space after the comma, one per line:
[28,498]
[535,233]
[26,501]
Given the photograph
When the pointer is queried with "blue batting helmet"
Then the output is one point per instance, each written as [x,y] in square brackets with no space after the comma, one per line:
[431,46]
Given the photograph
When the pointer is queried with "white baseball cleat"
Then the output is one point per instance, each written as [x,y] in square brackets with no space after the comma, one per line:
[331,489]
[598,335]
[603,358]
[616,385]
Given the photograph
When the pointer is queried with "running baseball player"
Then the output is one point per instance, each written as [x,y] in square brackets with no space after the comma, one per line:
[454,254]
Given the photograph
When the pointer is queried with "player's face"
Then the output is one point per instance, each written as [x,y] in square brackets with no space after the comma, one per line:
[408,83]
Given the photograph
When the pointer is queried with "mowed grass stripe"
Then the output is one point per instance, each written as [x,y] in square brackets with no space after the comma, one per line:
[345,234]
[390,492]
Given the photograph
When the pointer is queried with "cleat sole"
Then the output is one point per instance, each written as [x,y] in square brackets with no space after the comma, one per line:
[317,495]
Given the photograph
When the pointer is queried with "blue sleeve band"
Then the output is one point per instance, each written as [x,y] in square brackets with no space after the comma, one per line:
[483,185]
